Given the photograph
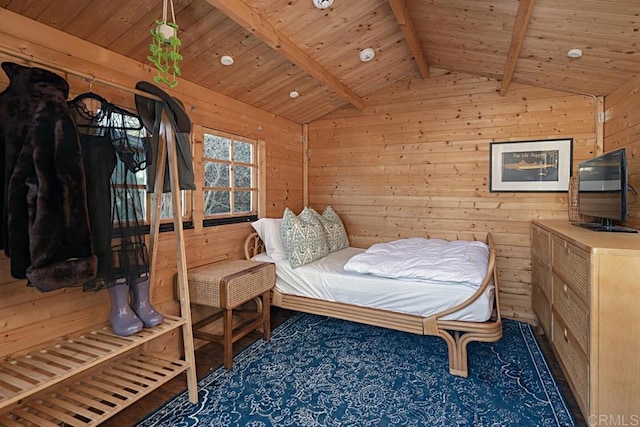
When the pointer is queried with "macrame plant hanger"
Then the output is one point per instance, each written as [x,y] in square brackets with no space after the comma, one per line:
[164,48]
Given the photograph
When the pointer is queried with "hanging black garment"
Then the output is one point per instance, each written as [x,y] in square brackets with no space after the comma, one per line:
[113,154]
[99,162]
[150,112]
[45,222]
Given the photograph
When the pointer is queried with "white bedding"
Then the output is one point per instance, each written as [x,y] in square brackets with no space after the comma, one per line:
[417,258]
[326,279]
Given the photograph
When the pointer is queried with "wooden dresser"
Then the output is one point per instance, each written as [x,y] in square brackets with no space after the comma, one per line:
[586,295]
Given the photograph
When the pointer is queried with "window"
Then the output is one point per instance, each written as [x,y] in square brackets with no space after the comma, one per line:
[230,187]
[166,207]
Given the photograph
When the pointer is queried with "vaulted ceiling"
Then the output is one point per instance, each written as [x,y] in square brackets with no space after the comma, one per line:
[283,45]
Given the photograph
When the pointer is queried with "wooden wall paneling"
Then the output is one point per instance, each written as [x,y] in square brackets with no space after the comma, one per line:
[21,308]
[210,69]
[22,34]
[135,38]
[416,162]
[354,26]
[460,36]
[549,37]
[624,96]
[188,14]
[32,318]
[206,27]
[44,320]
[197,202]
[403,17]
[468,47]
[58,14]
[622,130]
[305,165]
[622,119]
[31,9]
[250,19]
[91,19]
[525,10]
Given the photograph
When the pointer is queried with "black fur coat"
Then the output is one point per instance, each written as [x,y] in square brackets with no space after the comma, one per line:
[45,227]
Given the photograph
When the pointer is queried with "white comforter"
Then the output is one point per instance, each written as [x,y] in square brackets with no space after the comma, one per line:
[459,261]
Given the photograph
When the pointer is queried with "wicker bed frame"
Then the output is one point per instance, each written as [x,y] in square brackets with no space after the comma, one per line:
[457,334]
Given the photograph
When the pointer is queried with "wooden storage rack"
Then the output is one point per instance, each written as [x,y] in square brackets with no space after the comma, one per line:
[84,379]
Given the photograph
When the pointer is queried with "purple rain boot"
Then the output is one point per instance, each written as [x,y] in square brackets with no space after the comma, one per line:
[142,306]
[123,320]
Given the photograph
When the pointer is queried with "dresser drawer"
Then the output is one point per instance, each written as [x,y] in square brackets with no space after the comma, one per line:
[541,275]
[573,361]
[574,314]
[571,264]
[541,243]
[542,308]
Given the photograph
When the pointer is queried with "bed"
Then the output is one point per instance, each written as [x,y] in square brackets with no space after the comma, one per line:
[459,315]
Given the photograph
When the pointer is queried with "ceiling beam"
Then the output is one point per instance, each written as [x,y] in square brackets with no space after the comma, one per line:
[525,9]
[401,13]
[248,18]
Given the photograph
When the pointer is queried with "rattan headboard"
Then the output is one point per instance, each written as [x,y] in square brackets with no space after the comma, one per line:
[253,246]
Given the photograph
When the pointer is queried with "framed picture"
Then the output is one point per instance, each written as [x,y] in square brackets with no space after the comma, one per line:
[531,165]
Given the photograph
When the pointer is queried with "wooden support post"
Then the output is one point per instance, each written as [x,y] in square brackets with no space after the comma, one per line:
[167,149]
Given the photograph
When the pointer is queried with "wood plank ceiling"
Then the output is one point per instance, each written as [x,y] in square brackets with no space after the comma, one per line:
[284,45]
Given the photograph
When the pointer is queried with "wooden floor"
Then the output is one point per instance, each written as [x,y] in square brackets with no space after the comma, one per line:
[209,358]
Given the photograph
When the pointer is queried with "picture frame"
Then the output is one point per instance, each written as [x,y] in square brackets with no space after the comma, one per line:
[535,166]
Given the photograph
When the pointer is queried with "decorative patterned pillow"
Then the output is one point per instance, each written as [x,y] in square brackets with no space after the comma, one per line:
[303,238]
[336,234]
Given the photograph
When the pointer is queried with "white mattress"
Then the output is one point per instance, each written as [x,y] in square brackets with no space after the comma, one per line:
[327,280]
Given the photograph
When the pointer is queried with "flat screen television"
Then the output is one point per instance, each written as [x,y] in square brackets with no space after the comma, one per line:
[602,191]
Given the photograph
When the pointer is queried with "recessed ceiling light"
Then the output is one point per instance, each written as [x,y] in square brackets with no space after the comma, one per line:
[294,94]
[574,53]
[322,4]
[226,60]
[367,54]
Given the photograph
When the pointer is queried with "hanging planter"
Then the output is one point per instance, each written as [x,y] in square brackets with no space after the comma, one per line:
[164,48]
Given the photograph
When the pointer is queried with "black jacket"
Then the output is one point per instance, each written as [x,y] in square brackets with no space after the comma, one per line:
[45,226]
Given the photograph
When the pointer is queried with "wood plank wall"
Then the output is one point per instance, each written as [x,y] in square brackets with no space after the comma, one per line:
[29,318]
[415,162]
[622,130]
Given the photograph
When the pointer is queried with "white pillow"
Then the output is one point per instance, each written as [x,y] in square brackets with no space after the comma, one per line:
[269,231]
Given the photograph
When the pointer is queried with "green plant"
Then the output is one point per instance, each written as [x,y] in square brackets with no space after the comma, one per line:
[164,54]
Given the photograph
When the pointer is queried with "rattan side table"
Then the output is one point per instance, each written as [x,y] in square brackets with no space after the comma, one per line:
[228,285]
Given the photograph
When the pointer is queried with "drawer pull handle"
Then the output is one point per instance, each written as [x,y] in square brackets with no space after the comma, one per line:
[566,337]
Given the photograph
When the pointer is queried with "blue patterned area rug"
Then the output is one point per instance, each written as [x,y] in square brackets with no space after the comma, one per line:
[318,371]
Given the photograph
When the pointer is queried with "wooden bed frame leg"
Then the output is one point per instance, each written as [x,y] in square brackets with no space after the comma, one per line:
[463,340]
[461,369]
[457,366]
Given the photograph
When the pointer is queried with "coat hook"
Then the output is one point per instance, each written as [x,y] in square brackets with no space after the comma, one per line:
[92,79]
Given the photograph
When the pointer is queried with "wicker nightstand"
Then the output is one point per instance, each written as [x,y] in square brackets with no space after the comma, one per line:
[228,285]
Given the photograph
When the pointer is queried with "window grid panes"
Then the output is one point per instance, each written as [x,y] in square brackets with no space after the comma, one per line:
[230,175]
